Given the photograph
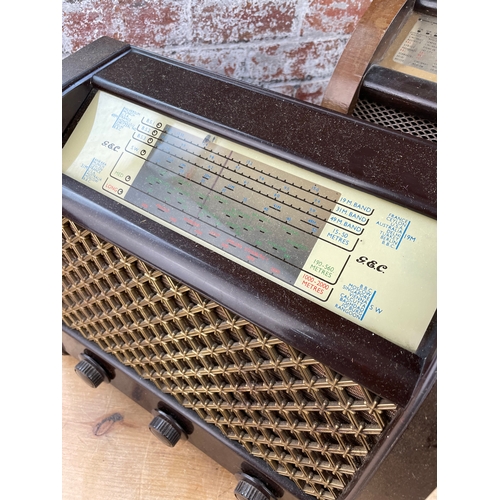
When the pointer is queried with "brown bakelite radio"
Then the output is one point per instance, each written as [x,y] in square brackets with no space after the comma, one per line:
[257,272]
[387,73]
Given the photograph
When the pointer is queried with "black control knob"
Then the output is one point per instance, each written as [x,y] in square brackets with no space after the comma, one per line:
[250,488]
[247,491]
[90,372]
[166,429]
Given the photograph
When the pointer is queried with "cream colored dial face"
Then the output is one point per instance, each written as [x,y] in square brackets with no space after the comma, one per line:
[358,256]
[414,50]
[419,49]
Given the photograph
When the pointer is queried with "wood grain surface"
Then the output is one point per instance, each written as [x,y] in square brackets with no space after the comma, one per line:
[108,451]
[344,84]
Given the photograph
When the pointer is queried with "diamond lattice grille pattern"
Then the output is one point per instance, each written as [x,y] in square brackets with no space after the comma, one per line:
[307,422]
[397,120]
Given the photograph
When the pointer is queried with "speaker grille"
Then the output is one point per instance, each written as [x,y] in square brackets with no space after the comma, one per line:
[397,120]
[307,422]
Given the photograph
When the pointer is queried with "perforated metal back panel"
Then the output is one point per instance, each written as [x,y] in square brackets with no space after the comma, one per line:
[397,120]
[307,422]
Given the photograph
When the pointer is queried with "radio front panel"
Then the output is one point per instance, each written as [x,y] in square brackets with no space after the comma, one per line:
[358,256]
[258,270]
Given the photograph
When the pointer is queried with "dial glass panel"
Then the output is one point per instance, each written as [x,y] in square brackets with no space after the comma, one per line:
[358,256]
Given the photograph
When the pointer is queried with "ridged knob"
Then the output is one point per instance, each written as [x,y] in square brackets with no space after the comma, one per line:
[90,372]
[246,491]
[165,431]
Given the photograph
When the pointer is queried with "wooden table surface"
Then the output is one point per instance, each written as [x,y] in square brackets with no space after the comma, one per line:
[109,453]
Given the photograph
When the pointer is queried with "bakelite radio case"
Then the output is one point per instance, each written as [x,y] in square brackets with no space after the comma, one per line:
[351,366]
[387,73]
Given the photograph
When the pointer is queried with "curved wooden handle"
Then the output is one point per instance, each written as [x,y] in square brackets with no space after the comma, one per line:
[342,88]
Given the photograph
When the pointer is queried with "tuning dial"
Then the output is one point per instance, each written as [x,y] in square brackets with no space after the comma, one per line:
[90,371]
[249,488]
[166,429]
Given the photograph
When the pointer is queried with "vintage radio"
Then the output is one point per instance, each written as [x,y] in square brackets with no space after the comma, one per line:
[387,73]
[257,272]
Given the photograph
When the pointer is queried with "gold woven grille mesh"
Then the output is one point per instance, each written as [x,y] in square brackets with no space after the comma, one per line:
[307,422]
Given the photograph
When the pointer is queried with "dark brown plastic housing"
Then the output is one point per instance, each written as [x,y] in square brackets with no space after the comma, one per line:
[385,163]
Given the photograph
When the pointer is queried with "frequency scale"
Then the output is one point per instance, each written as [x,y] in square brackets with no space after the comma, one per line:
[357,255]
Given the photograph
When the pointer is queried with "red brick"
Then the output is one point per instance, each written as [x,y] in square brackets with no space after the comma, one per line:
[223,21]
[223,61]
[144,23]
[150,23]
[285,89]
[327,16]
[275,56]
[83,22]
[293,61]
[312,92]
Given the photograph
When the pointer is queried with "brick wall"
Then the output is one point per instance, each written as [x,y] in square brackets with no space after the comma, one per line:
[290,46]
